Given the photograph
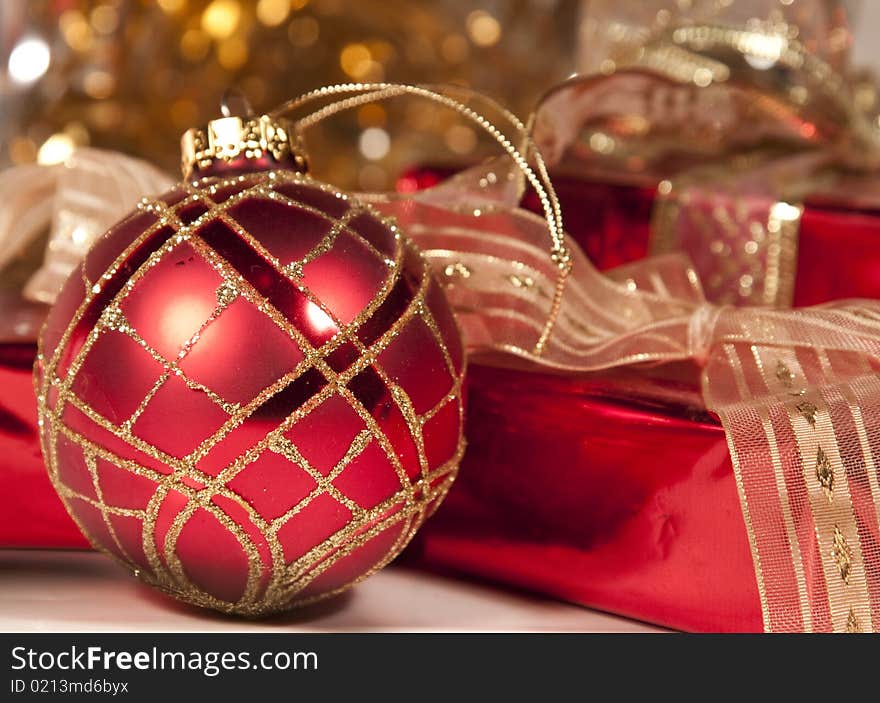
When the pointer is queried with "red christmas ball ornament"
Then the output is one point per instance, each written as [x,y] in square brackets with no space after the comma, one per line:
[250,391]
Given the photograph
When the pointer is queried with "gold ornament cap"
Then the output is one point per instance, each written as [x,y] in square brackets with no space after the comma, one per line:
[232,144]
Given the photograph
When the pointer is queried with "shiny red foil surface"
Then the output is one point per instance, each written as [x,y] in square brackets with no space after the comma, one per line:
[568,490]
[31,514]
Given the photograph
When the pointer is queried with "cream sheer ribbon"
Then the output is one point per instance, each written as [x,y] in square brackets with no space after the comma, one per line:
[797,391]
[78,200]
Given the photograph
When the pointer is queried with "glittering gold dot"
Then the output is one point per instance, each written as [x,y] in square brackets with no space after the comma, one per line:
[99,84]
[272,12]
[355,60]
[77,132]
[220,19]
[75,30]
[702,77]
[55,149]
[105,19]
[457,270]
[521,281]
[226,293]
[601,143]
[483,28]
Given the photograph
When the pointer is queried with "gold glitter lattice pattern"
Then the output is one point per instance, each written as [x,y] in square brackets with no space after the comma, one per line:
[265,443]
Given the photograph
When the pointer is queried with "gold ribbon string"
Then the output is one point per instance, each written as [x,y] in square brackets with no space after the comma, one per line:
[540,181]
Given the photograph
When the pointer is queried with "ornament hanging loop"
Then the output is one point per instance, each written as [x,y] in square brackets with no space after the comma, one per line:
[234,103]
[519,146]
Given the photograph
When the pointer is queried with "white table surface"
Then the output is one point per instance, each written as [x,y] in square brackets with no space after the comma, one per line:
[56,591]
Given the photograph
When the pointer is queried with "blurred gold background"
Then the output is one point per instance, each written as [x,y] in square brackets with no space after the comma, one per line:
[133,75]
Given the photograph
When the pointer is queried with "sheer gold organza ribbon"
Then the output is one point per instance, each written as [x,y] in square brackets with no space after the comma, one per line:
[797,391]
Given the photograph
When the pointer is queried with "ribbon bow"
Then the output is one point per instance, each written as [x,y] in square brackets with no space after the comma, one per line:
[797,391]
[738,110]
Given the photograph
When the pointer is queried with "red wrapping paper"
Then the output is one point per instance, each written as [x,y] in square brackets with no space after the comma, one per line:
[31,514]
[572,491]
